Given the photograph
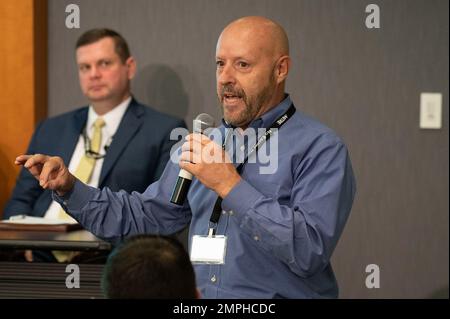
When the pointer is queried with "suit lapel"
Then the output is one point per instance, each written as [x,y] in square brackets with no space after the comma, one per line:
[72,134]
[130,124]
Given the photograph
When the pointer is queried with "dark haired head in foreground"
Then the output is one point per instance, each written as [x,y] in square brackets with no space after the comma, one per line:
[149,266]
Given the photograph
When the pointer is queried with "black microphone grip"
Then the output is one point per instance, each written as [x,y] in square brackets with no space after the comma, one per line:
[181,187]
[201,123]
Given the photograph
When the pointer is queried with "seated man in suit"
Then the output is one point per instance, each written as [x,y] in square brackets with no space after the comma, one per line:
[150,267]
[115,141]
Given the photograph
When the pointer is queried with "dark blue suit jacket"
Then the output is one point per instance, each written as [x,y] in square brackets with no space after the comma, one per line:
[136,157]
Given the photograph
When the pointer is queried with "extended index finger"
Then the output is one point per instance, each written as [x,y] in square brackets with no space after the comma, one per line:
[36,159]
[21,159]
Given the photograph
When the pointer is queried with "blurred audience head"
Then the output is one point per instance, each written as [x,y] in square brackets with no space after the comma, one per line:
[149,267]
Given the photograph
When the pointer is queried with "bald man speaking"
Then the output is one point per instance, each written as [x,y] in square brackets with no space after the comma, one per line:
[258,228]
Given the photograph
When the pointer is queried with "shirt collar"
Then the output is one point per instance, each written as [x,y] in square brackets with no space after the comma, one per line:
[269,117]
[112,118]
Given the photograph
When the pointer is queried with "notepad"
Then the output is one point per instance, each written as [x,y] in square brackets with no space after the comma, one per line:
[31,223]
[32,220]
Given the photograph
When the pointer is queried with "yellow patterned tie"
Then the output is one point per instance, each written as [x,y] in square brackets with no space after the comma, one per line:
[84,174]
[87,164]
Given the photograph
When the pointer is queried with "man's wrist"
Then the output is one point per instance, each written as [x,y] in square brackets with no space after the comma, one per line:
[68,187]
[225,188]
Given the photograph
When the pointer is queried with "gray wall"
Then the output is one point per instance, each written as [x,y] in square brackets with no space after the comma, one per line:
[363,83]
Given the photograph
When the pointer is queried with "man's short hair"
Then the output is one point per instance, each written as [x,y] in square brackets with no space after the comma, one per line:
[94,35]
[151,267]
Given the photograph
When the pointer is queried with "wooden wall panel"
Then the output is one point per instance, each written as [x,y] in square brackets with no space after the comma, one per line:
[23,81]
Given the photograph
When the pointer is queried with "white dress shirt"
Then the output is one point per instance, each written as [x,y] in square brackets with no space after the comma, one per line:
[112,120]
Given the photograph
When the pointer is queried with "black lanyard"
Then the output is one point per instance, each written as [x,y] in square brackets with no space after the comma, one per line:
[216,213]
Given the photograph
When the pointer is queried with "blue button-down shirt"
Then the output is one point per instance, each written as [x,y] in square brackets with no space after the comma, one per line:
[282,224]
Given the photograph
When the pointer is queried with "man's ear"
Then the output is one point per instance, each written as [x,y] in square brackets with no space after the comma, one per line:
[131,64]
[198,295]
[282,68]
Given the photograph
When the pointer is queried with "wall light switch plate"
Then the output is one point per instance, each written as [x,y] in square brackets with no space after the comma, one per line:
[431,110]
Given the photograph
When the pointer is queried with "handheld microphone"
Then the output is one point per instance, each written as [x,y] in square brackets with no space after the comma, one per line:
[201,123]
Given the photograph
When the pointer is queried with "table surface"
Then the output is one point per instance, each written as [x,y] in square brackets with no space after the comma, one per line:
[81,240]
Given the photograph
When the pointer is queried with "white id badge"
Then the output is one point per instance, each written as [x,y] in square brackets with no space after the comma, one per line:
[208,249]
